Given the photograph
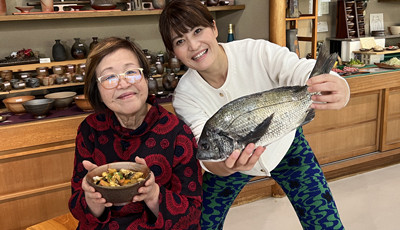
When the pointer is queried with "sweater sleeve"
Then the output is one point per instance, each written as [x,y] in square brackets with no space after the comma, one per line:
[77,202]
[180,200]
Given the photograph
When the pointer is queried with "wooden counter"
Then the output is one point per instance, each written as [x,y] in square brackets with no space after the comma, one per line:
[363,136]
[360,137]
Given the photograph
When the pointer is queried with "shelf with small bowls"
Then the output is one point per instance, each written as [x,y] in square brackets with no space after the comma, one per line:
[101,13]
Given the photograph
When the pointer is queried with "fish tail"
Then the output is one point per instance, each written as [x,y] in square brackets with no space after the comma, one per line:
[325,62]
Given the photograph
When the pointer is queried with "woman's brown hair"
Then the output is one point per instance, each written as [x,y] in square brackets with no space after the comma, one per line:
[102,49]
[180,16]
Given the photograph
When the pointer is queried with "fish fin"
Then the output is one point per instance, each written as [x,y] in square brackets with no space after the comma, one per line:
[325,62]
[309,117]
[258,132]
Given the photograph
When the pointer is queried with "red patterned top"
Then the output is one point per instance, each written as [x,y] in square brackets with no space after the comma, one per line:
[167,145]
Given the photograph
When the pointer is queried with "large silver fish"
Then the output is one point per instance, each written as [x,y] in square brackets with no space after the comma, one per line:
[259,118]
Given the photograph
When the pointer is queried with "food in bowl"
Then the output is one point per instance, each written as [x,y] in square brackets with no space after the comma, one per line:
[14,104]
[113,177]
[118,195]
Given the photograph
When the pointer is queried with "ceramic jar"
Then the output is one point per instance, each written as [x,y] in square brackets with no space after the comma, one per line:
[46,81]
[58,69]
[17,84]
[174,64]
[24,75]
[170,81]
[79,78]
[159,67]
[33,82]
[42,71]
[160,58]
[58,51]
[148,56]
[6,75]
[78,50]
[81,69]
[5,86]
[70,68]
[93,43]
[153,86]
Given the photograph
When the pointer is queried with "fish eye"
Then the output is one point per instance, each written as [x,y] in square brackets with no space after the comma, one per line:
[205,146]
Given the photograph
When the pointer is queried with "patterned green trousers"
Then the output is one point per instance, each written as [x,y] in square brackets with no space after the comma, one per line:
[299,175]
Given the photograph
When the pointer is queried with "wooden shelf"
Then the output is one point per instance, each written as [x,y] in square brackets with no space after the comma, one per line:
[29,67]
[41,88]
[293,23]
[100,14]
[302,17]
[378,53]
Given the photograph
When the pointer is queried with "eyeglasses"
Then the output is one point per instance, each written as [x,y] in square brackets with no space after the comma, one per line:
[111,81]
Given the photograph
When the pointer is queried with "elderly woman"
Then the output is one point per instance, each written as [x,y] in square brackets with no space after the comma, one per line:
[129,126]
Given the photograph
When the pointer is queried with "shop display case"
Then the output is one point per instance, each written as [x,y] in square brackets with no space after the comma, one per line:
[350,19]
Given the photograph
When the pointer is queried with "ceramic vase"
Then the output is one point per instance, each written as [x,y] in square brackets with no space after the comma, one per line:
[153,85]
[78,50]
[93,43]
[169,81]
[47,5]
[174,64]
[3,7]
[58,51]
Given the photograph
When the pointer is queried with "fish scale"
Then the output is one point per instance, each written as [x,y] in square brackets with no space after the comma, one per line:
[259,118]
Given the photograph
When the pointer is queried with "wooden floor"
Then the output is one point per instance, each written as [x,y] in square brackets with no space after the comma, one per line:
[64,222]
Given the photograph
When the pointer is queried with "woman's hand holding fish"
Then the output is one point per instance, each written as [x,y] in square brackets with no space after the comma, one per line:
[94,199]
[236,161]
[335,92]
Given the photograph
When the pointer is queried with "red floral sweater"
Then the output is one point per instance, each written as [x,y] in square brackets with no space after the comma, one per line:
[167,145]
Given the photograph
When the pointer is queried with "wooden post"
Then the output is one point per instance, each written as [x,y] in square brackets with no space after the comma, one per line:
[277,22]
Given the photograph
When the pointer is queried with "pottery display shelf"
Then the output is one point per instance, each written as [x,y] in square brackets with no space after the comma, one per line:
[28,89]
[31,67]
[102,13]
[64,12]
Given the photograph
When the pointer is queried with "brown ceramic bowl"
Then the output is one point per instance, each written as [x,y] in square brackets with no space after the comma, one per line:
[14,104]
[38,107]
[120,195]
[61,99]
[83,103]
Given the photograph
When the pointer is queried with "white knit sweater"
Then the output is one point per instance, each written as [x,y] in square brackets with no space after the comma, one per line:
[253,66]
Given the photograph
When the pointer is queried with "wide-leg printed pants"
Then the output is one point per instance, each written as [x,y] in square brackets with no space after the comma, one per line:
[300,176]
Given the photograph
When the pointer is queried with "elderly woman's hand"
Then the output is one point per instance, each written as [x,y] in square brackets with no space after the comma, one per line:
[335,92]
[94,200]
[150,192]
